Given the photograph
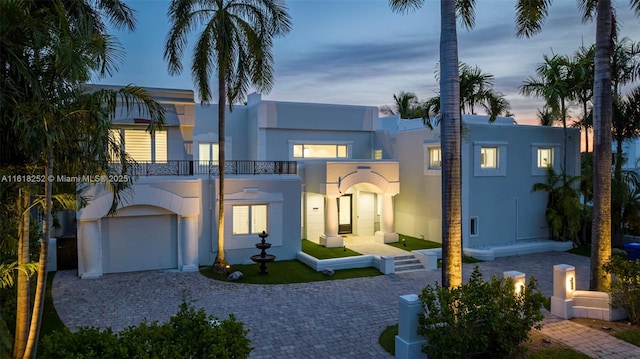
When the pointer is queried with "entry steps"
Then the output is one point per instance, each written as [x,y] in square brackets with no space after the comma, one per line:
[407,263]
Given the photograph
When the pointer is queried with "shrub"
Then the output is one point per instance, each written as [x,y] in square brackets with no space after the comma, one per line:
[188,334]
[625,287]
[479,318]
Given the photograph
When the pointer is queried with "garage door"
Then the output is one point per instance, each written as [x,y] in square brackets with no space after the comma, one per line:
[139,243]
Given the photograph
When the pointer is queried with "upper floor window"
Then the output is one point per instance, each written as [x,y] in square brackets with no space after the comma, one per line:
[208,152]
[435,158]
[489,157]
[320,151]
[143,146]
[545,157]
[250,219]
[377,154]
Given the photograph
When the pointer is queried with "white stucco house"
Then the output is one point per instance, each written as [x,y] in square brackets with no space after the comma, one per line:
[312,171]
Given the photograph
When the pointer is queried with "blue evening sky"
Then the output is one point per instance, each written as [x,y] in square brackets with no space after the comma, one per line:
[360,52]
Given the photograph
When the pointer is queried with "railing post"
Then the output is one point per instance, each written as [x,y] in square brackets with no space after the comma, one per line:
[408,342]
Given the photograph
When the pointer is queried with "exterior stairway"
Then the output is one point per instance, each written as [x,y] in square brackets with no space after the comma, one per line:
[407,263]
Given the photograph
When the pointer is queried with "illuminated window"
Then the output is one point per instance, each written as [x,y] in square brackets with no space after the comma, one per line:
[545,157]
[141,145]
[208,152]
[250,219]
[377,154]
[320,151]
[489,157]
[435,158]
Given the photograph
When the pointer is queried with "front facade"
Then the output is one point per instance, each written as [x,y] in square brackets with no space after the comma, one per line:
[308,171]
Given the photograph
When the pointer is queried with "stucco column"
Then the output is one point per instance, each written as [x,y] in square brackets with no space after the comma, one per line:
[330,238]
[386,234]
[90,248]
[189,243]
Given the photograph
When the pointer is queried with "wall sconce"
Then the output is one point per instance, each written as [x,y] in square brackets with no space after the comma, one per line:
[571,286]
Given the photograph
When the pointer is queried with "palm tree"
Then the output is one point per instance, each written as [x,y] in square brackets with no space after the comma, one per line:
[554,85]
[406,105]
[626,126]
[529,18]
[476,88]
[582,72]
[546,116]
[45,64]
[450,130]
[235,45]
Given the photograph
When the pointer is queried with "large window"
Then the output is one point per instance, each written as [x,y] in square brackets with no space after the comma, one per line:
[545,157]
[208,152]
[141,145]
[320,151]
[250,219]
[489,157]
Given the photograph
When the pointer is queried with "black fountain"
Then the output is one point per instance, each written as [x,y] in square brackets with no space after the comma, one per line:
[263,258]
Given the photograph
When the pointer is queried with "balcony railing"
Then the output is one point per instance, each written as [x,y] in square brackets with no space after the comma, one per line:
[190,168]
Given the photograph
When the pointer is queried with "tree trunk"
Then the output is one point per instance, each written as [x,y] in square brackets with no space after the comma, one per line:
[38,302]
[220,264]
[450,144]
[602,117]
[23,305]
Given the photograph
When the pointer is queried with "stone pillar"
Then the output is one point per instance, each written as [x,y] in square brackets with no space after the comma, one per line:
[189,243]
[408,342]
[519,280]
[90,248]
[564,284]
[330,238]
[386,234]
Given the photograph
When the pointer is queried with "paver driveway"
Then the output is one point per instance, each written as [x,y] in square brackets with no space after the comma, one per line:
[332,319]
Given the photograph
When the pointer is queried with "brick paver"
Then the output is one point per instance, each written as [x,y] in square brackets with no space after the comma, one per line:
[332,319]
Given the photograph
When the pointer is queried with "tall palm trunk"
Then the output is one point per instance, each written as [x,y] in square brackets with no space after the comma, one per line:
[602,117]
[23,293]
[220,263]
[450,144]
[563,111]
[38,302]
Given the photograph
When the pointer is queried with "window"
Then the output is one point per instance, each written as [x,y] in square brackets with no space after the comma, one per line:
[473,226]
[208,152]
[250,219]
[377,154]
[319,151]
[489,157]
[142,146]
[435,158]
[545,157]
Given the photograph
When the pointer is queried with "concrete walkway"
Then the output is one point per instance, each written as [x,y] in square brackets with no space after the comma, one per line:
[332,319]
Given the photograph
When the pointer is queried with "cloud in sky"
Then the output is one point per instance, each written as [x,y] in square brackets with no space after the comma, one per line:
[360,52]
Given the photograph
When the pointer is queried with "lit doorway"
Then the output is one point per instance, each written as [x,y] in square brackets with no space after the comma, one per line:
[344,214]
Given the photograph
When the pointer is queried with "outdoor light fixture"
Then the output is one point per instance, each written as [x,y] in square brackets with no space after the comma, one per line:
[571,286]
[404,243]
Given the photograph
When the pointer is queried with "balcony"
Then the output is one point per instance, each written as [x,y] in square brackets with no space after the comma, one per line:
[190,168]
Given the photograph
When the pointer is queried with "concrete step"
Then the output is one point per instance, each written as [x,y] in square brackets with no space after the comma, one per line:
[408,263]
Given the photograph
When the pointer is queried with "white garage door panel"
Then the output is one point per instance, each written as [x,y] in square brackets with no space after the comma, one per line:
[139,243]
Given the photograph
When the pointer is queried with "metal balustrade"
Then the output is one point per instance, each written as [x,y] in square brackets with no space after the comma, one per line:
[190,168]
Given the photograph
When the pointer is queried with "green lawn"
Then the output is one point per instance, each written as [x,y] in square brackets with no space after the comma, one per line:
[631,336]
[411,243]
[285,272]
[320,252]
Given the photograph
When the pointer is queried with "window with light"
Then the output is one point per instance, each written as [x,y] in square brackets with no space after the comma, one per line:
[142,145]
[249,219]
[435,158]
[320,151]
[545,157]
[489,157]
[208,152]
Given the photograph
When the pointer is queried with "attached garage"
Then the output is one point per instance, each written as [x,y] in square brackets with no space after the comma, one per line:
[138,243]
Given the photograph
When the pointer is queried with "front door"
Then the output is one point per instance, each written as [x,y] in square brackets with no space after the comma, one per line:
[344,214]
